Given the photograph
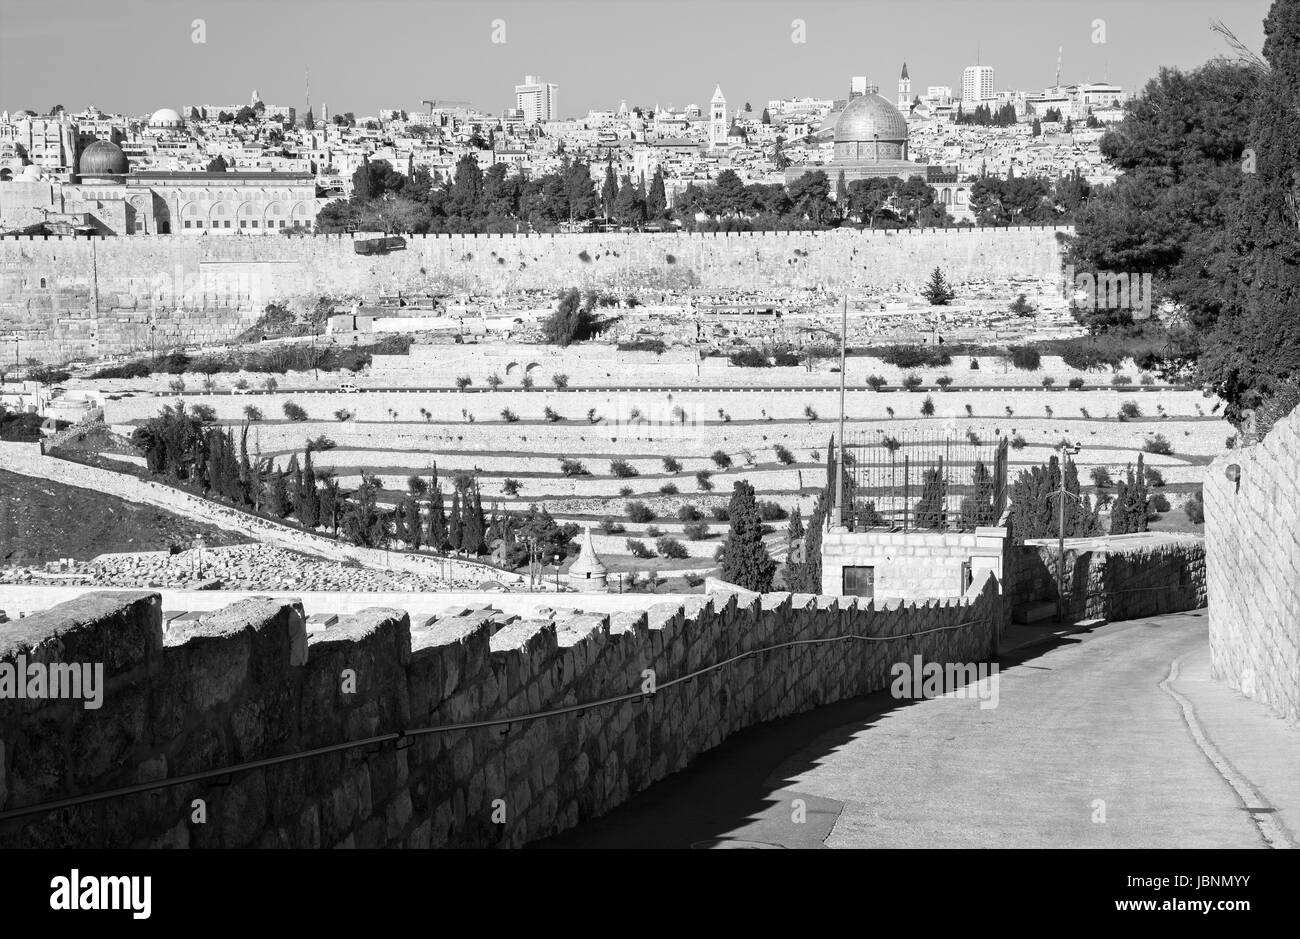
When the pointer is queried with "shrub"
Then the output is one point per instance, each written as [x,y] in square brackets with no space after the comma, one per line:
[253,413]
[1159,502]
[294,412]
[551,416]
[321,444]
[494,381]
[653,531]
[974,364]
[1101,477]
[270,384]
[1155,478]
[772,512]
[1048,381]
[638,549]
[720,459]
[177,385]
[943,381]
[464,382]
[1018,442]
[672,465]
[560,380]
[1195,508]
[639,512]
[592,416]
[912,382]
[668,489]
[973,437]
[241,383]
[721,513]
[526,382]
[1121,380]
[689,513]
[573,468]
[783,455]
[1129,409]
[1075,383]
[610,527]
[342,414]
[672,548]
[749,358]
[206,414]
[914,356]
[509,416]
[625,491]
[1146,380]
[927,408]
[510,487]
[704,481]
[1025,357]
[622,469]
[696,531]
[876,382]
[1158,444]
[970,411]
[809,413]
[1010,413]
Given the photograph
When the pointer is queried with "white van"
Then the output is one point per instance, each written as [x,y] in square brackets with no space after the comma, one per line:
[348,387]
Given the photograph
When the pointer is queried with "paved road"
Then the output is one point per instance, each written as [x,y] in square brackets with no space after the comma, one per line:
[1083,719]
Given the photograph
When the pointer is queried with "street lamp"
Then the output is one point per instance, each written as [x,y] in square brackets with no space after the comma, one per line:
[556,558]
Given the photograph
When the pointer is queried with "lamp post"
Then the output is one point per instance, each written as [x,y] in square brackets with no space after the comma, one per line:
[557,559]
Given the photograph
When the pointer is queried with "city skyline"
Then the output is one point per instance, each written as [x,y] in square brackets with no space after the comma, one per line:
[752,57]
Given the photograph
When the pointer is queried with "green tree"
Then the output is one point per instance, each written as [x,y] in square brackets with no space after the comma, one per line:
[657,201]
[609,192]
[745,561]
[937,290]
[217,164]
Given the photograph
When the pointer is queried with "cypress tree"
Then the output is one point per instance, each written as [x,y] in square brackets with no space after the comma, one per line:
[472,539]
[609,192]
[414,529]
[277,501]
[437,539]
[455,524]
[745,561]
[657,199]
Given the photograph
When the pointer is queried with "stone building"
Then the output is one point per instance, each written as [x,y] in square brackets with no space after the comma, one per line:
[588,572]
[104,196]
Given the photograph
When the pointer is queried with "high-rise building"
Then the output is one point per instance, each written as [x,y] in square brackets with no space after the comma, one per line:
[904,91]
[717,118]
[977,83]
[536,99]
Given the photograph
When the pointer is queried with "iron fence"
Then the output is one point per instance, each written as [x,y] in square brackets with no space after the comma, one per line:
[905,482]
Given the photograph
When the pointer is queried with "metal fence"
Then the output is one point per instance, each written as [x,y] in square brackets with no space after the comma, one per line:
[905,482]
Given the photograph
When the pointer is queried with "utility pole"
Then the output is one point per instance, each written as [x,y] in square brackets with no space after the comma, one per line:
[839,478]
[1066,451]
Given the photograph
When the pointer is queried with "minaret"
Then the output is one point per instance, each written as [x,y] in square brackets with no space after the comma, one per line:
[252,102]
[717,118]
[904,91]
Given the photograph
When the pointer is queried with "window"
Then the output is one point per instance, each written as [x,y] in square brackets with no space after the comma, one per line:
[243,223]
[254,223]
[859,582]
[187,223]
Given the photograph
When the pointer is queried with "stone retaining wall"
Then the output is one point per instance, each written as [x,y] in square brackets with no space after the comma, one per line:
[1252,533]
[249,683]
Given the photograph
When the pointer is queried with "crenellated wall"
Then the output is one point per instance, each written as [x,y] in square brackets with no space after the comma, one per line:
[249,683]
[75,297]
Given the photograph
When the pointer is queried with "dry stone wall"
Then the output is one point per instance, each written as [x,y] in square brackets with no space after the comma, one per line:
[249,683]
[1252,534]
[78,297]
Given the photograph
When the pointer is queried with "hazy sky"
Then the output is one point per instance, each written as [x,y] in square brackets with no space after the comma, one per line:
[138,55]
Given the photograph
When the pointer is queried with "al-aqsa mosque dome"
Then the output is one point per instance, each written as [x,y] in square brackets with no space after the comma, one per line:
[103,159]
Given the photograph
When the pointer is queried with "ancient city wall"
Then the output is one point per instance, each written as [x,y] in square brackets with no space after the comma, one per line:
[1252,535]
[248,683]
[75,297]
[1113,578]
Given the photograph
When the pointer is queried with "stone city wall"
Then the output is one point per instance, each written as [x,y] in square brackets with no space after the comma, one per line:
[1252,534]
[250,683]
[69,298]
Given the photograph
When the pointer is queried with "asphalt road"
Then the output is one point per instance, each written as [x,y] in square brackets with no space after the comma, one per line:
[1079,722]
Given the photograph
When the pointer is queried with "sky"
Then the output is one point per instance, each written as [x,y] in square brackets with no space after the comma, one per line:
[134,56]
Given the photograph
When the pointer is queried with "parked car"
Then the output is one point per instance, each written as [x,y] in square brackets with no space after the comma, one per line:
[348,387]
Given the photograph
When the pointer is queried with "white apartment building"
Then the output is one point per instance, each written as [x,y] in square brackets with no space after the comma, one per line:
[536,99]
[977,83]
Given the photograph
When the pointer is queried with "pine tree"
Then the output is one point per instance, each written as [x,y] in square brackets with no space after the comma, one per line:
[937,290]
[745,561]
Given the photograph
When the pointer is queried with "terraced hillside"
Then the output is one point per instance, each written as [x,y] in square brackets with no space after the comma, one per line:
[669,445]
